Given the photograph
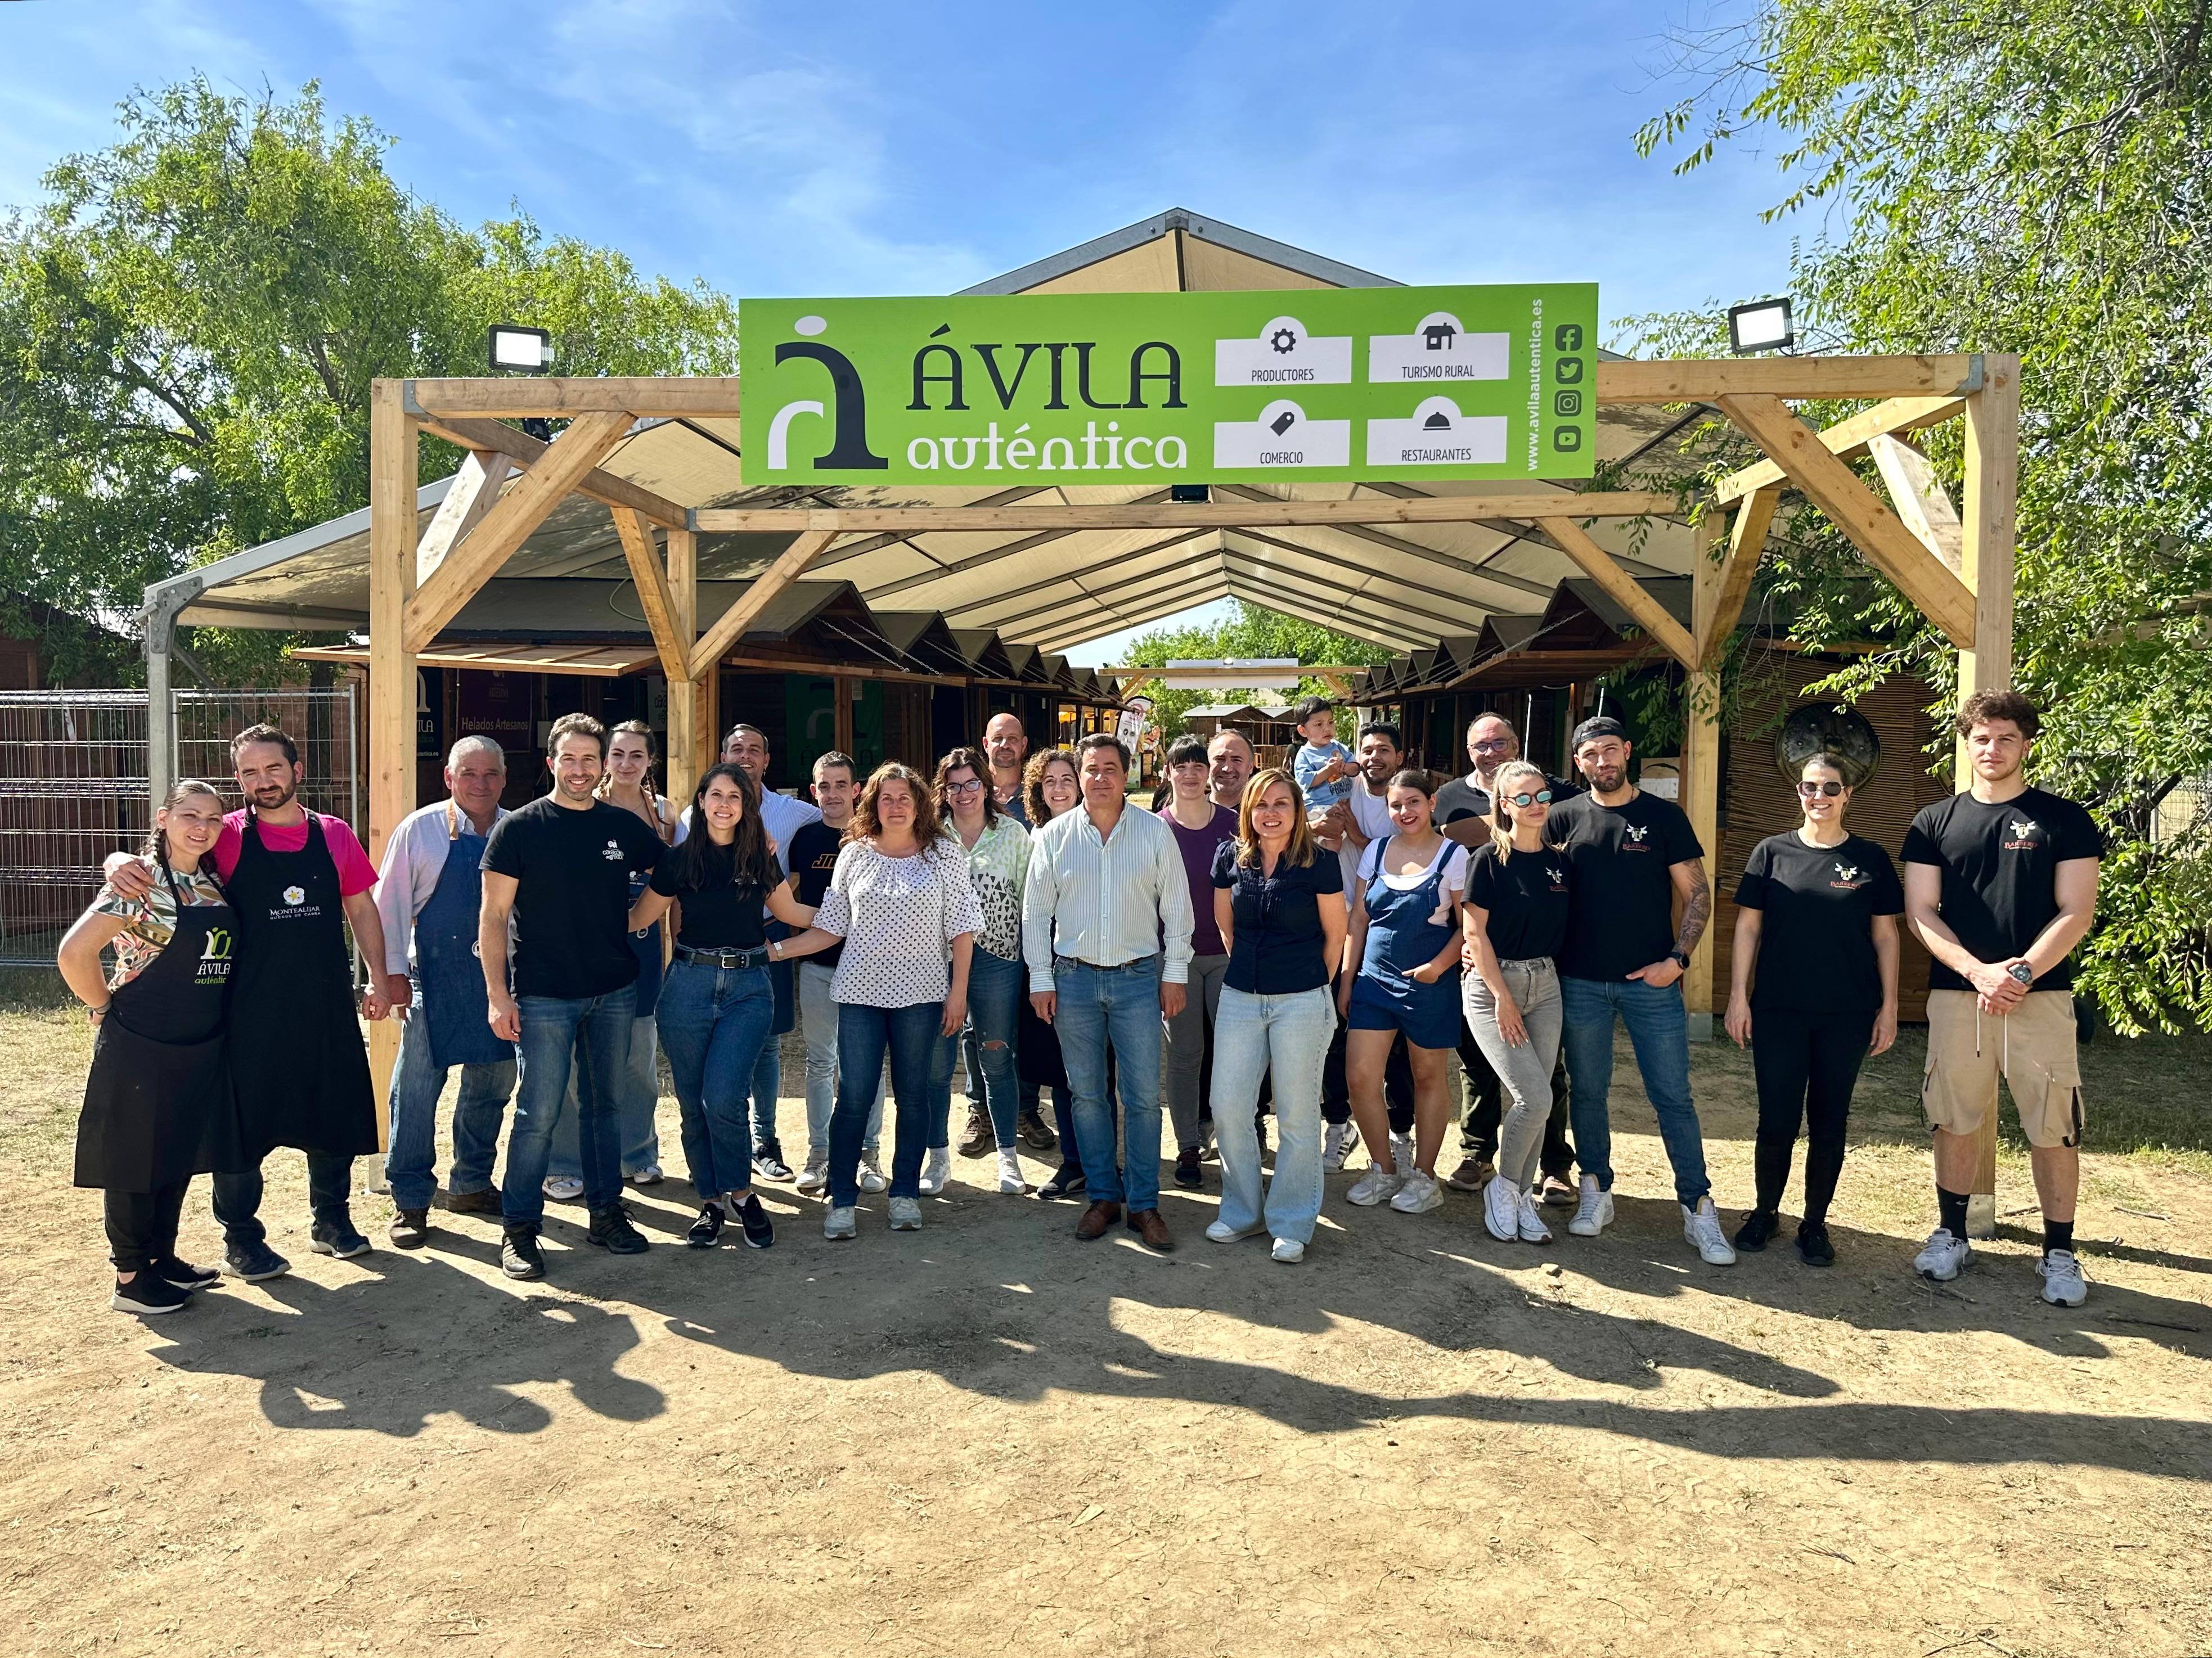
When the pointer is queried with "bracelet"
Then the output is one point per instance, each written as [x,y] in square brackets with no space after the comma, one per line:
[774,954]
[96,1014]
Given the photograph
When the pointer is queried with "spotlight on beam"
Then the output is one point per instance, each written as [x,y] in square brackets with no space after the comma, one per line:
[1761,325]
[520,350]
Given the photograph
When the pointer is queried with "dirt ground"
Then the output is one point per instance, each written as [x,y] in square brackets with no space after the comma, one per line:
[987,1438]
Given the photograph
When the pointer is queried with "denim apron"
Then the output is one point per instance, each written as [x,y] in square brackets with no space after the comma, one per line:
[1402,932]
[448,964]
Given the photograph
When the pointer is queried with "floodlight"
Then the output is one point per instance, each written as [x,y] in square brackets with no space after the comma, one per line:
[520,350]
[1761,325]
[1194,495]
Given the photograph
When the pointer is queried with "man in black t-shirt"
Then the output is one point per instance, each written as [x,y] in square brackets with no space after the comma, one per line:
[2001,883]
[561,866]
[1633,855]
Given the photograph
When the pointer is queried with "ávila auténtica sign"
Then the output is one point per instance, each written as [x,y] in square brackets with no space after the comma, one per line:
[1325,384]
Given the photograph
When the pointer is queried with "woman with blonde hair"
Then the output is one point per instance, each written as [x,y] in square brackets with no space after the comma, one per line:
[1279,901]
[1515,919]
[1050,785]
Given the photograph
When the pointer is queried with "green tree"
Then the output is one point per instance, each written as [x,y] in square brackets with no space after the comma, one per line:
[2030,176]
[1255,632]
[190,321]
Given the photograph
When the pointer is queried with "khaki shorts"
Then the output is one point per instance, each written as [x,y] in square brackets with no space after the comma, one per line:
[2033,1045]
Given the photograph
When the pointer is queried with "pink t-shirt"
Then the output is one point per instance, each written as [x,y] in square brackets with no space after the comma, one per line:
[356,872]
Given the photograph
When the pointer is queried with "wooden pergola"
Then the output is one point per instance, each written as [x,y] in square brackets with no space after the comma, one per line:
[1954,563]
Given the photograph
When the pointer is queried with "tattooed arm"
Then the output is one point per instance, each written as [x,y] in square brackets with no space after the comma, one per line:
[1690,885]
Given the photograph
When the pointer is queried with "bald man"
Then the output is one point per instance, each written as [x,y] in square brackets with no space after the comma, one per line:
[1228,768]
[1008,746]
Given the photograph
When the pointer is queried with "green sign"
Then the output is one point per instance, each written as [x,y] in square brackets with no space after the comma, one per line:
[1149,389]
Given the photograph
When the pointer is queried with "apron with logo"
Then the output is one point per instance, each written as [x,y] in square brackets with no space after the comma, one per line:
[296,1058]
[158,1101]
[448,965]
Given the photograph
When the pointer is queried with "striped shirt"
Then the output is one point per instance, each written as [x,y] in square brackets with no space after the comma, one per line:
[1107,903]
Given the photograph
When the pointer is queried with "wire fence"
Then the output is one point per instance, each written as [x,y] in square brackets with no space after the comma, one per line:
[74,786]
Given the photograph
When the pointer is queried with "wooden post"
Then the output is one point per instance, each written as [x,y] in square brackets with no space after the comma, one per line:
[1701,766]
[685,758]
[393,535]
[1991,525]
[841,690]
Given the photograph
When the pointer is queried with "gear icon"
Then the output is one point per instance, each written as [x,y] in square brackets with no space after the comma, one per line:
[1283,340]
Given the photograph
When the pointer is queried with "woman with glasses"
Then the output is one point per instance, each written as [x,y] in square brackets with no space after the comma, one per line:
[1516,920]
[1050,785]
[1816,916]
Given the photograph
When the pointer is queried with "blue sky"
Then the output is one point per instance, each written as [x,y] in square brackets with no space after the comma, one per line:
[884,149]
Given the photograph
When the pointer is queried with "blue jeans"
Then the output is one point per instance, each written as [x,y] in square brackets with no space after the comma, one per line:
[590,1036]
[418,1079]
[1287,1037]
[713,1022]
[637,1132]
[1659,1030]
[818,1024]
[910,1036]
[994,990]
[1116,1007]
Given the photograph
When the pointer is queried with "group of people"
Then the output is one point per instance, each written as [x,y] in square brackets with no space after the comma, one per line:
[1315,942]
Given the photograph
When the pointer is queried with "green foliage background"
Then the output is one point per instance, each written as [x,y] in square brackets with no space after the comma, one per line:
[1254,631]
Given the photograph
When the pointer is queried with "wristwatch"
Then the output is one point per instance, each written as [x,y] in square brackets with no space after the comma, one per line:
[1679,959]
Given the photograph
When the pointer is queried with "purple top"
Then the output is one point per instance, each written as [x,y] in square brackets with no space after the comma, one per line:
[1197,847]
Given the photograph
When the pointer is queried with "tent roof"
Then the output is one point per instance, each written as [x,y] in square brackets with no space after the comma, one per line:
[1405,588]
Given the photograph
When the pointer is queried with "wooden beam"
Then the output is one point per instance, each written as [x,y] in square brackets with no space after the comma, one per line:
[688,732]
[475,490]
[1847,440]
[1731,583]
[393,464]
[1171,515]
[1701,789]
[642,397]
[508,524]
[1918,497]
[490,435]
[1858,512]
[673,645]
[730,626]
[1622,589]
[1707,379]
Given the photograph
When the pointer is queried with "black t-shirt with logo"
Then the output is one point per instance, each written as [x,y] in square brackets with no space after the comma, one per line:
[1463,798]
[720,912]
[1526,896]
[2000,866]
[1622,915]
[1816,941]
[572,900]
[811,856]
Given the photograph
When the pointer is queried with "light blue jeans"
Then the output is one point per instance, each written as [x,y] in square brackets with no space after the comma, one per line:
[1287,1037]
[1116,1007]
[1659,1030]
[639,1099]
[417,1082]
[817,1025]
[713,1022]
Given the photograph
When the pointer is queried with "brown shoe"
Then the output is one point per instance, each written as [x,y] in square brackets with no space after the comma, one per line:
[1097,1219]
[1472,1175]
[1147,1224]
[486,1202]
[979,1138]
[1557,1193]
[1034,1133]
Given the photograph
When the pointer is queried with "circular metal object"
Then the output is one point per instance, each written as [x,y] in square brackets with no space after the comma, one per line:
[1829,728]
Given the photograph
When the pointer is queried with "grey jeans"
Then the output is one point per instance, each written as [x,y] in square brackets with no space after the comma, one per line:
[1526,1070]
[1183,1054]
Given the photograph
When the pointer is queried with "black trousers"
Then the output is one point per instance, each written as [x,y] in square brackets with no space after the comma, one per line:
[142,1226]
[1397,1085]
[1806,1065]
[238,1196]
[1486,1101]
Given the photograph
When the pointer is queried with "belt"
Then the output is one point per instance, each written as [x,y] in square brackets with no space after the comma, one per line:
[1099,967]
[725,958]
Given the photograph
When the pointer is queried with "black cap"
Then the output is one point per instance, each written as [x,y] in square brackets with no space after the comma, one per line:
[1603,725]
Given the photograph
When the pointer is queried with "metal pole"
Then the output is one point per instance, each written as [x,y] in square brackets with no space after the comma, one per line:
[160,705]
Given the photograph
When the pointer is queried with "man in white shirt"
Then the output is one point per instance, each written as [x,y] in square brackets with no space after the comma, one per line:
[429,893]
[1106,925]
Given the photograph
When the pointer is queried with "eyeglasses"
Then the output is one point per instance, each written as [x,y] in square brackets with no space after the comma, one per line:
[1543,795]
[1812,790]
[968,787]
[1491,745]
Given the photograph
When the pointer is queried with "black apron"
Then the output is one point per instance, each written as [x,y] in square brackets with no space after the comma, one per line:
[296,1058]
[157,1106]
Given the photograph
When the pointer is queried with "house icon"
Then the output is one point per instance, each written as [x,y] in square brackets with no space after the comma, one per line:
[1438,336]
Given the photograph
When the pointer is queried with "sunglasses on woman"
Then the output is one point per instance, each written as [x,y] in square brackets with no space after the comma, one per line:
[1811,790]
[1527,801]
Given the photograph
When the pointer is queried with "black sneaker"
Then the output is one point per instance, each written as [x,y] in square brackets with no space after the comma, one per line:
[184,1275]
[149,1296]
[1186,1170]
[611,1230]
[1035,1132]
[409,1229]
[337,1237]
[519,1255]
[254,1262]
[1812,1246]
[1068,1183]
[1758,1226]
[767,1161]
[486,1202]
[760,1231]
[706,1231]
[979,1137]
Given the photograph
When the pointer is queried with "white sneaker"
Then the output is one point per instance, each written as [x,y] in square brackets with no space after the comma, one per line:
[1289,1251]
[2062,1283]
[1942,1256]
[1401,1151]
[838,1224]
[648,1176]
[906,1215]
[936,1172]
[1595,1214]
[1420,1193]
[1009,1172]
[1222,1232]
[1374,1187]
[1701,1231]
[564,1191]
[1336,1144]
[1501,1209]
[873,1179]
[815,1177]
[1530,1221]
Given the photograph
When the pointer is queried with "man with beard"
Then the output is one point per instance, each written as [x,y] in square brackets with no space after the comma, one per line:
[1008,746]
